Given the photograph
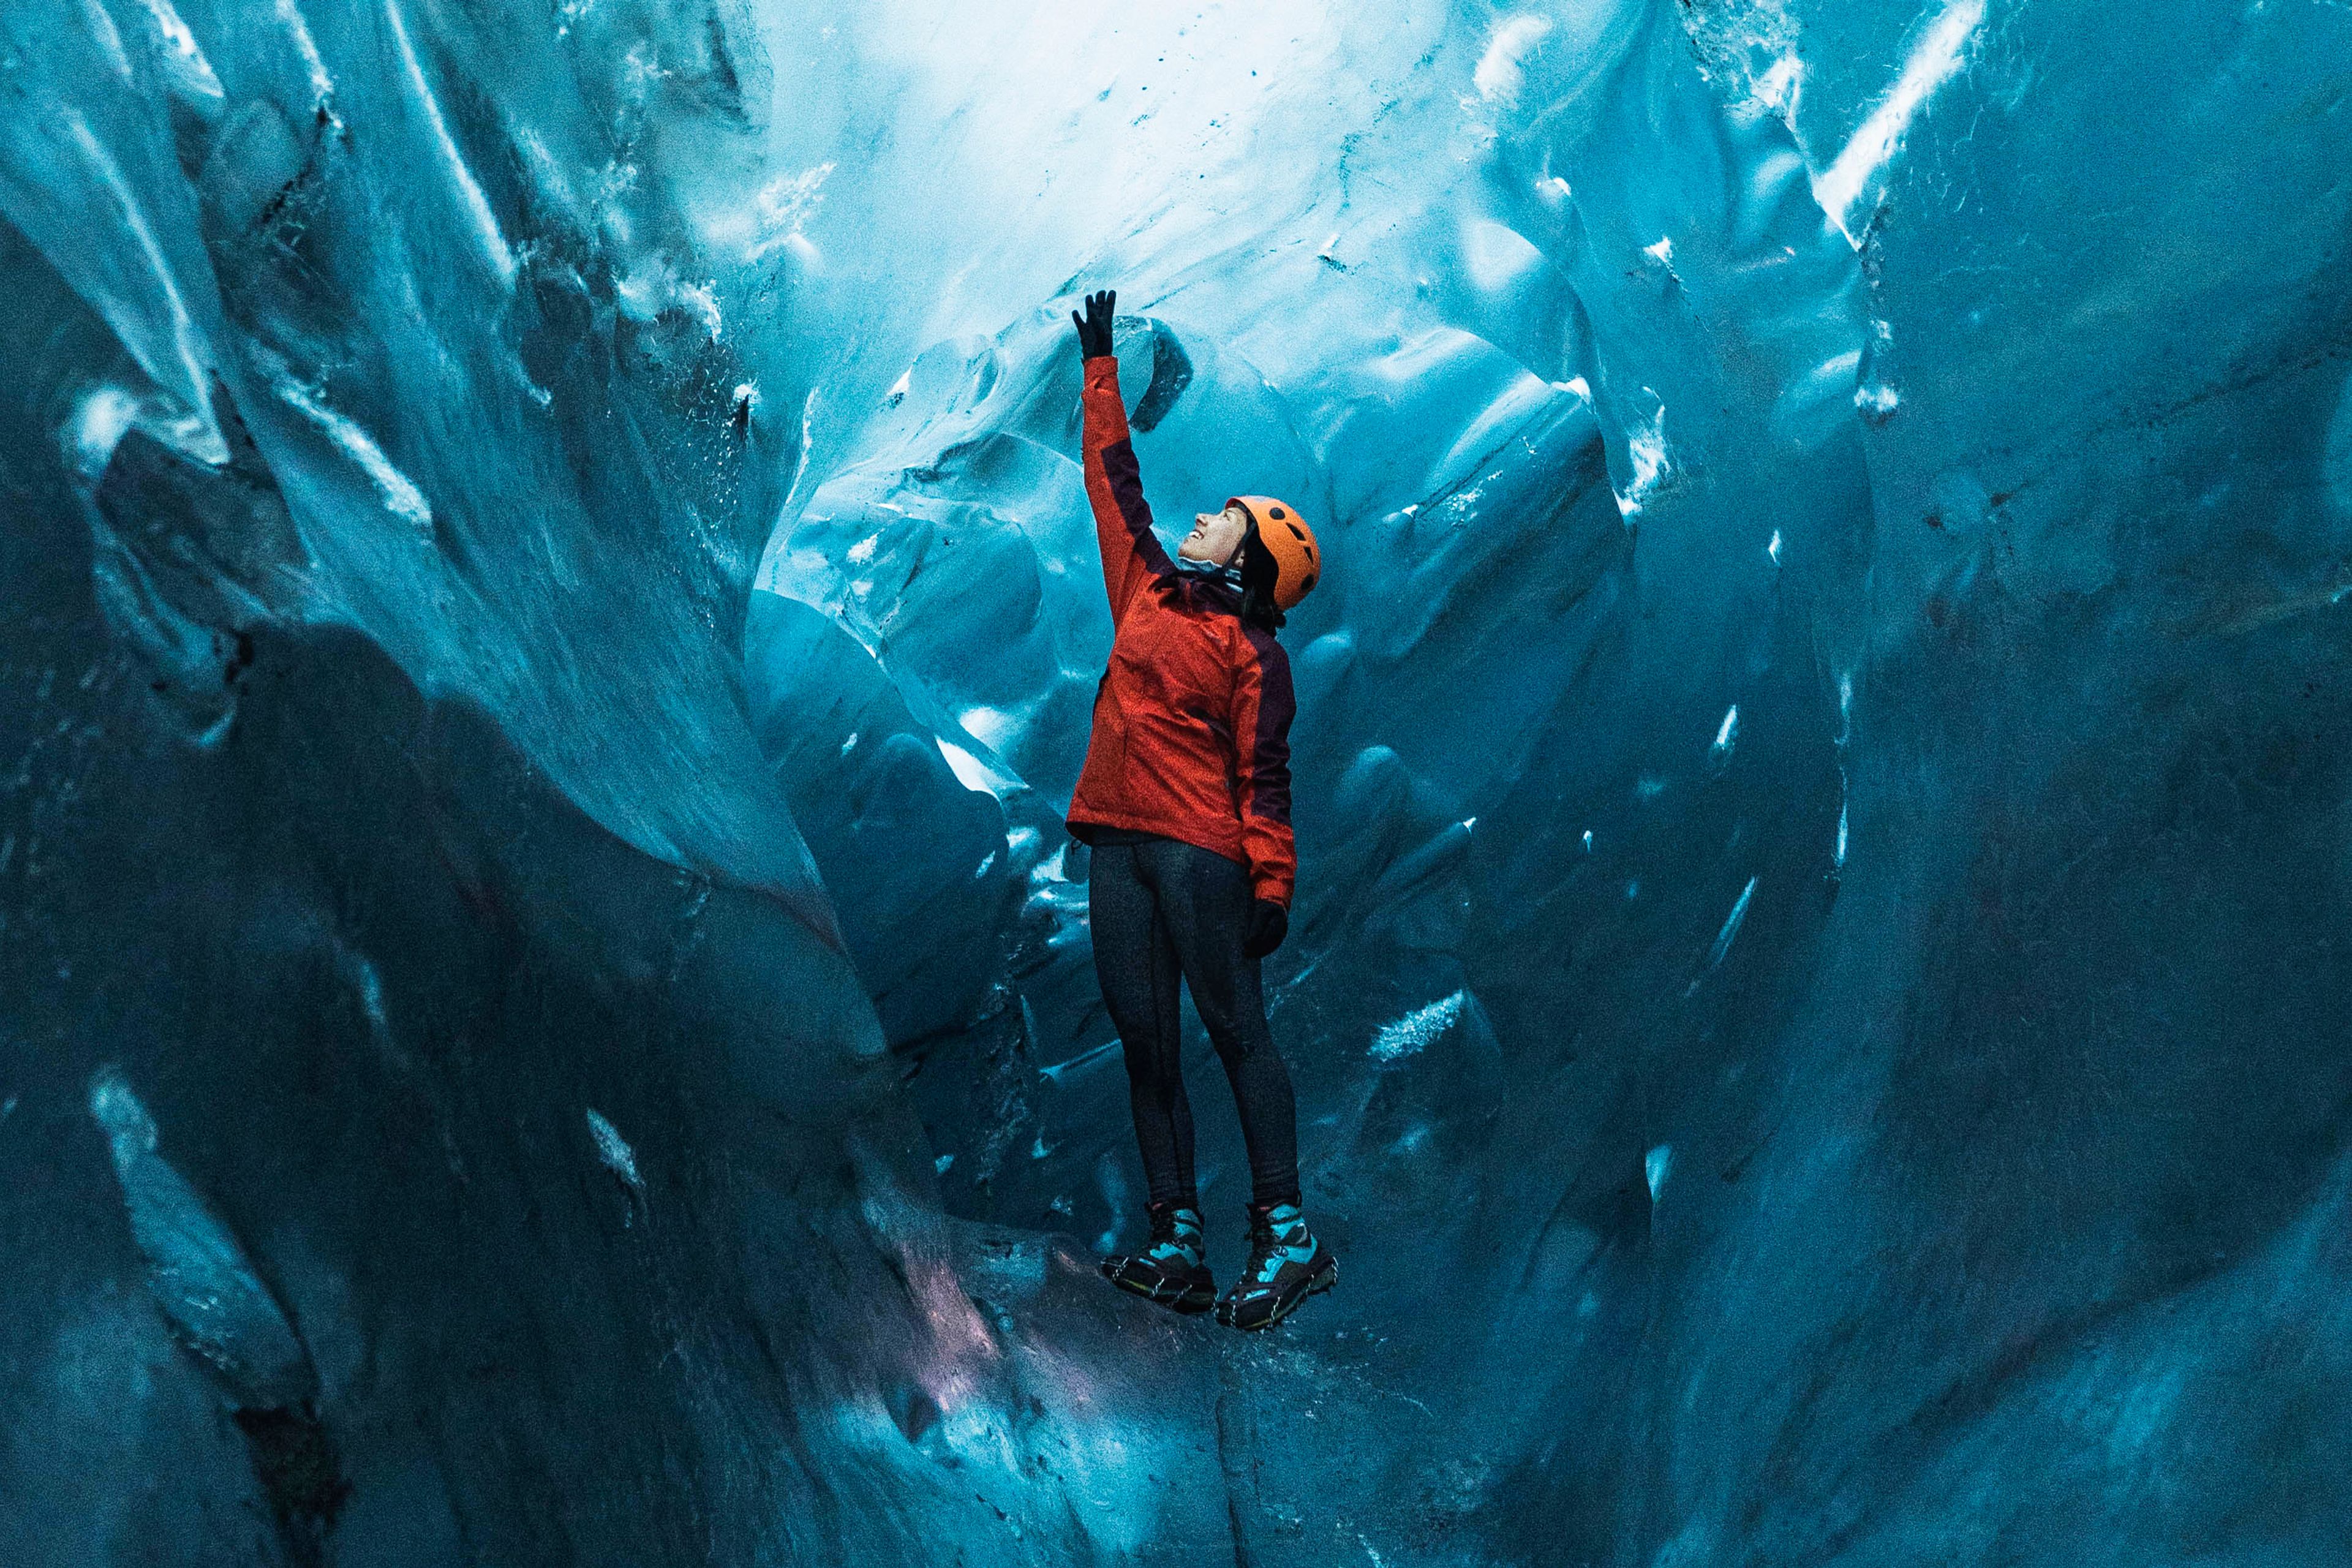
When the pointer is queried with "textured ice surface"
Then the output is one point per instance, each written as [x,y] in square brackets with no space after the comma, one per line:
[548,1010]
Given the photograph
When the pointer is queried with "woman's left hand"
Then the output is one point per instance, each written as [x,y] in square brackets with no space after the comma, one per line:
[1094,326]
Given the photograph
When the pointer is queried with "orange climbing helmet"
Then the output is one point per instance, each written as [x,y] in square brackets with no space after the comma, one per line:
[1298,560]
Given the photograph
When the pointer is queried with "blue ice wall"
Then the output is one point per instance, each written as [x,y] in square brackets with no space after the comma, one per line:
[548,1015]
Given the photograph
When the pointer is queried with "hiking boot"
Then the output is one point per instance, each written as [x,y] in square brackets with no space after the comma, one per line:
[1172,1271]
[1286,1265]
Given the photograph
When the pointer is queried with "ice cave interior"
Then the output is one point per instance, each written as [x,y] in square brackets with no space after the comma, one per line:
[552,621]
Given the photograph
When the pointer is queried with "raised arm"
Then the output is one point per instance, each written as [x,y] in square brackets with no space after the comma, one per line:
[1262,706]
[1131,552]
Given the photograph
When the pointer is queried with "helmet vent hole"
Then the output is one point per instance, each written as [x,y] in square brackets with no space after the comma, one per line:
[1306,587]
[1295,531]
[1277,514]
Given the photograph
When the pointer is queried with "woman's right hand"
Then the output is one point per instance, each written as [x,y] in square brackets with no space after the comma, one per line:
[1094,327]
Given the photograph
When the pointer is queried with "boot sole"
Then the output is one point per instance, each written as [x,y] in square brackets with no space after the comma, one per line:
[1322,1279]
[1190,1301]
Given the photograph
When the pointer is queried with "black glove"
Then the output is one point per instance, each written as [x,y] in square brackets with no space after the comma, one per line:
[1269,923]
[1094,327]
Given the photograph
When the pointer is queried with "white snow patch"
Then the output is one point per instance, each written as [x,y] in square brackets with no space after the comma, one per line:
[1781,86]
[1732,925]
[862,553]
[1646,448]
[400,493]
[105,416]
[181,56]
[194,433]
[1935,60]
[1877,399]
[614,1152]
[1502,70]
[1727,735]
[323,86]
[975,774]
[478,206]
[783,207]
[991,727]
[101,27]
[1417,1029]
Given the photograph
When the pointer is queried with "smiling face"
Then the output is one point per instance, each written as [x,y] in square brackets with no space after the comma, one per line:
[1216,536]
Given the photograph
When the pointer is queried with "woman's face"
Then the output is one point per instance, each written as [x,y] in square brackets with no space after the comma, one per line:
[1216,536]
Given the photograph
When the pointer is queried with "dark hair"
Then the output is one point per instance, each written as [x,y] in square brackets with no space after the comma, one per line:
[1259,574]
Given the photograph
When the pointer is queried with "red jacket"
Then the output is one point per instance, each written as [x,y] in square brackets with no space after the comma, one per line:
[1192,730]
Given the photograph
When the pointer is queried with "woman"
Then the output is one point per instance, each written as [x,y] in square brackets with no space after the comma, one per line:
[1185,800]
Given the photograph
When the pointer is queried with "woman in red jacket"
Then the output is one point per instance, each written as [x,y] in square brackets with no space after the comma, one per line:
[1185,800]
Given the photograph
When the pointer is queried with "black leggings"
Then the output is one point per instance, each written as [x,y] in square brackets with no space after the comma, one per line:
[1160,908]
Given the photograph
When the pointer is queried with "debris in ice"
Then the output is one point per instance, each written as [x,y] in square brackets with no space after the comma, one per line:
[1417,1029]
[7,1108]
[850,744]
[198,1272]
[940,1167]
[1938,58]
[899,388]
[1588,841]
[987,861]
[615,1151]
[1657,1166]
[1727,735]
[1732,925]
[861,552]
[1040,1149]
[1839,860]
[1773,549]
[478,206]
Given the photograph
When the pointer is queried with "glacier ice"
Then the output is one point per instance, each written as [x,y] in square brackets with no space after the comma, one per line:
[551,620]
